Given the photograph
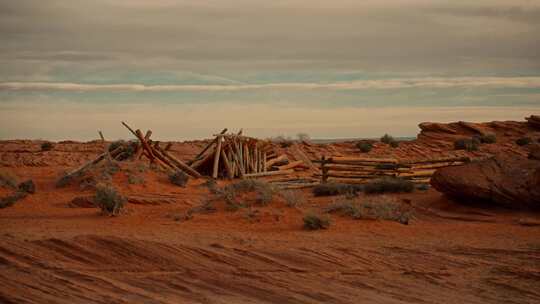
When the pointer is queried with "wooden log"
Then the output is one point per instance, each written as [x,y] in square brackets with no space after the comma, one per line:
[353,160]
[200,155]
[106,148]
[436,165]
[226,164]
[291,165]
[91,163]
[200,162]
[417,173]
[169,146]
[273,161]
[145,144]
[163,160]
[341,167]
[264,162]
[269,173]
[180,164]
[217,155]
[439,160]
[237,159]
[349,180]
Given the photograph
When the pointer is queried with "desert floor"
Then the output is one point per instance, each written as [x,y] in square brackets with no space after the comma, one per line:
[449,253]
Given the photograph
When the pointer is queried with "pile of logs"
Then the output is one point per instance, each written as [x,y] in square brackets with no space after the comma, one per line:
[358,170]
[234,155]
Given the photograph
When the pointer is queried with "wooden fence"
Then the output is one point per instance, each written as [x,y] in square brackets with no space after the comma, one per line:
[361,170]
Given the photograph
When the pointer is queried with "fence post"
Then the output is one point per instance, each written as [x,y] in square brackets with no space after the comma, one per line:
[324,170]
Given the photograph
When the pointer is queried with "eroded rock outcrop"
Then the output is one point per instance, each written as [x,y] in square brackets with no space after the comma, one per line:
[513,182]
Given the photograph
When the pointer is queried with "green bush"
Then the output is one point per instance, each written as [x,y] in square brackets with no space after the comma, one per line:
[523,141]
[109,200]
[331,188]
[347,207]
[389,185]
[383,209]
[316,221]
[264,193]
[466,144]
[8,179]
[293,198]
[178,178]
[47,146]
[364,146]
[387,139]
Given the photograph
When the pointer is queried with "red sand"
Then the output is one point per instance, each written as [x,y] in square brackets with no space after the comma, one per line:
[53,253]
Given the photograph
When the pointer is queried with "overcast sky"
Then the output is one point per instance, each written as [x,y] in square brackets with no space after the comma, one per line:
[327,68]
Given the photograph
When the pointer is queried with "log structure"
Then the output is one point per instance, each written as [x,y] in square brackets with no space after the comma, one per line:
[361,170]
[239,156]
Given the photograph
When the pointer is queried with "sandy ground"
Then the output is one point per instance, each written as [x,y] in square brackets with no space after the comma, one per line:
[449,253]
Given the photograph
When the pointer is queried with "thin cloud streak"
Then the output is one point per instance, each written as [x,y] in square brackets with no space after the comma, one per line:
[489,82]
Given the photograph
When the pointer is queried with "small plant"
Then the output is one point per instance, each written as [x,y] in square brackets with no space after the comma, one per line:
[389,185]
[384,209]
[8,179]
[387,139]
[488,139]
[303,137]
[178,178]
[135,179]
[466,144]
[11,199]
[523,141]
[364,146]
[47,146]
[265,194]
[293,198]
[331,188]
[314,221]
[423,187]
[109,200]
[204,208]
[347,207]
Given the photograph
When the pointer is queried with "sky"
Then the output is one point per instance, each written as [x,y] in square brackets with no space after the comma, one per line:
[331,69]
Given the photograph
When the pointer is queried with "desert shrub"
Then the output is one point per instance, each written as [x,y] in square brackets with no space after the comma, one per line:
[364,146]
[389,185]
[109,200]
[394,144]
[523,141]
[469,144]
[11,199]
[293,198]
[265,194]
[303,137]
[205,207]
[27,186]
[47,146]
[423,187]
[178,178]
[346,207]
[331,188]
[387,139]
[385,209]
[129,148]
[314,221]
[8,179]
[135,179]
[488,139]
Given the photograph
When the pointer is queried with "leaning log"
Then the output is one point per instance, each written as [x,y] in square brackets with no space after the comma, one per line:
[271,162]
[292,165]
[180,164]
[200,155]
[269,173]
[217,155]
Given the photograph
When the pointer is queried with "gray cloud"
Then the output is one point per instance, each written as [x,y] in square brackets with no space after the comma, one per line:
[386,84]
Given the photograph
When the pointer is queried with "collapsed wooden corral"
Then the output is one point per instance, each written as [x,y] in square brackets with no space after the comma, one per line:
[238,156]
[361,170]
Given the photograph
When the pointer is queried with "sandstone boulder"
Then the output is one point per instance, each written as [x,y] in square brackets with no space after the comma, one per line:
[506,181]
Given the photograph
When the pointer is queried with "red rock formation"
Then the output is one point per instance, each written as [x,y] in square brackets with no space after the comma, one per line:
[507,181]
